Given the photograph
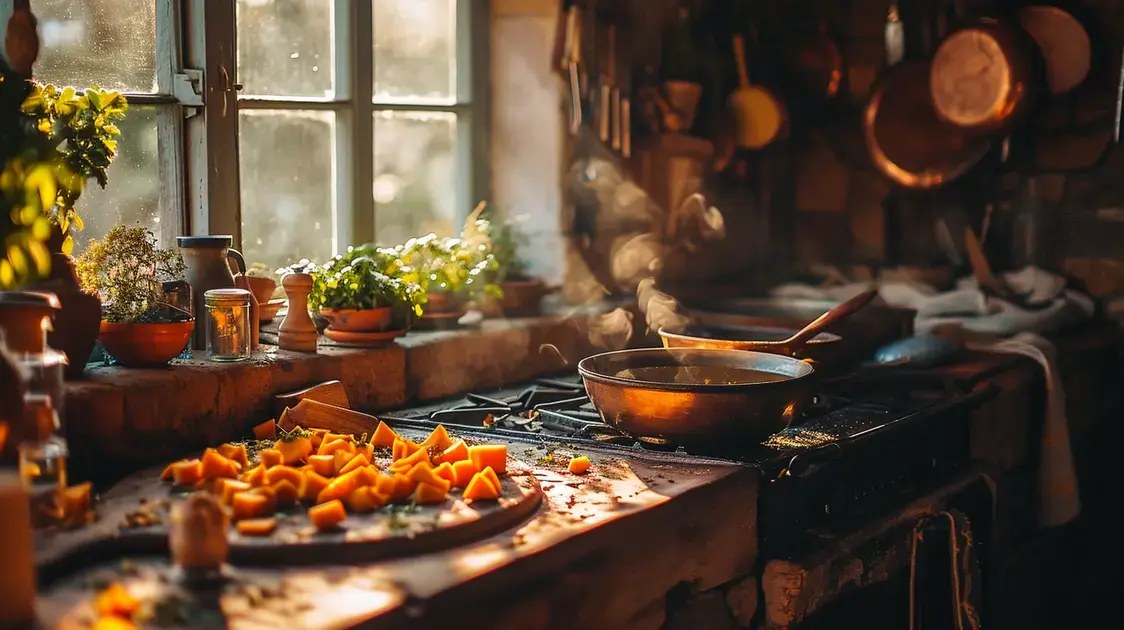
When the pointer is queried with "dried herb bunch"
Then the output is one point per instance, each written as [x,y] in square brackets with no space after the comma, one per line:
[127,270]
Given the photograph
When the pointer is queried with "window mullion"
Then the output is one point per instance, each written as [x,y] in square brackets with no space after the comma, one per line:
[474,59]
[212,138]
[169,125]
[361,134]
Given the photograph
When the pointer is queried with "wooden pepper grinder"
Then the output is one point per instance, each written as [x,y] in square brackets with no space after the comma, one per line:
[242,282]
[297,331]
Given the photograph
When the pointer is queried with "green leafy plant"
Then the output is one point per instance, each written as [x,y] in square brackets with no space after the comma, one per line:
[462,267]
[52,140]
[506,241]
[127,270]
[365,277]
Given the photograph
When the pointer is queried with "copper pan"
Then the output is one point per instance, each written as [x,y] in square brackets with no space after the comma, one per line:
[696,413]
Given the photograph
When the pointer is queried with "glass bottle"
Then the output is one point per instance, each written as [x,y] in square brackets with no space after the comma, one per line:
[228,324]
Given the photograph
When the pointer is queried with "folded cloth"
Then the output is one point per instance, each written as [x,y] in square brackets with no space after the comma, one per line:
[1058,499]
[971,309]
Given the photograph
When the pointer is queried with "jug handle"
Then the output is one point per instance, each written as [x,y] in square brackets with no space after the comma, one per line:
[238,259]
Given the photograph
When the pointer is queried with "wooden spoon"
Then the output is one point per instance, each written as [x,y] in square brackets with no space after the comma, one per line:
[794,343]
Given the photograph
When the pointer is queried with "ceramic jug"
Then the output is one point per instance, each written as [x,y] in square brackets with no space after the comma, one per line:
[208,267]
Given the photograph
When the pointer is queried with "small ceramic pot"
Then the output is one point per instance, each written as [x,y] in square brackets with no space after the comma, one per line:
[145,345]
[443,303]
[523,298]
[262,288]
[356,320]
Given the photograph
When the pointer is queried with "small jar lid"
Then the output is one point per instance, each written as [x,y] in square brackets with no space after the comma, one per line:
[227,297]
[210,240]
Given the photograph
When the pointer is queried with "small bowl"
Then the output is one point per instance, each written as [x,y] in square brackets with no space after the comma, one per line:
[358,320]
[143,344]
[262,288]
[267,311]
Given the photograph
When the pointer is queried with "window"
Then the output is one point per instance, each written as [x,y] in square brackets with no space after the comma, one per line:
[76,39]
[355,123]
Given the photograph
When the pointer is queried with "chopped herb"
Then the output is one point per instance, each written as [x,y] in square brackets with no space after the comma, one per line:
[296,434]
[363,439]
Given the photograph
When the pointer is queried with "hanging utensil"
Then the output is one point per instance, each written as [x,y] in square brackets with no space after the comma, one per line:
[895,36]
[614,92]
[1064,42]
[571,58]
[758,114]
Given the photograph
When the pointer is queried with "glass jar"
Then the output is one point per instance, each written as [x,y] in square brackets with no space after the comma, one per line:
[228,324]
[25,318]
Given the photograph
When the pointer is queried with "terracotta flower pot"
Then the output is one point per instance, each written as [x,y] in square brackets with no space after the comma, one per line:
[522,298]
[262,288]
[443,303]
[145,345]
[358,320]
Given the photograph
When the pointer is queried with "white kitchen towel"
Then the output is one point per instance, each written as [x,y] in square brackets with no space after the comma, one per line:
[1059,501]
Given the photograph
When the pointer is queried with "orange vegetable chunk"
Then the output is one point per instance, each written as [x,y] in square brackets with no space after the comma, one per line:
[283,473]
[341,487]
[215,465]
[312,485]
[318,436]
[463,471]
[438,439]
[271,497]
[236,453]
[330,447]
[364,499]
[270,457]
[445,471]
[323,464]
[492,478]
[294,450]
[255,477]
[403,488]
[266,430]
[456,452]
[169,469]
[115,601]
[327,515]
[250,505]
[385,485]
[580,464]
[287,492]
[422,472]
[485,455]
[257,526]
[384,435]
[187,472]
[427,493]
[480,489]
[229,488]
[408,462]
[366,450]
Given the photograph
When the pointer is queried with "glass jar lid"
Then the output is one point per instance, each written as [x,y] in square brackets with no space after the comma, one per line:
[227,297]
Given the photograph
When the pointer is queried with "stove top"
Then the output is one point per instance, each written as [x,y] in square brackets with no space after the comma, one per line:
[860,444]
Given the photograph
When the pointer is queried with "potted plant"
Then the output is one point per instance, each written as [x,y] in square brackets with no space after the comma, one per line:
[126,269]
[52,140]
[356,292]
[522,292]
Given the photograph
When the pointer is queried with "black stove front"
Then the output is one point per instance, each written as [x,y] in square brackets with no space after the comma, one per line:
[861,446]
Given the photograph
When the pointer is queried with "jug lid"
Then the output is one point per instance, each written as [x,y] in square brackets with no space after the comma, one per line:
[210,240]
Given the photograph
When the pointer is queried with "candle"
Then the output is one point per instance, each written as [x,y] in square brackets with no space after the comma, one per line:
[17,569]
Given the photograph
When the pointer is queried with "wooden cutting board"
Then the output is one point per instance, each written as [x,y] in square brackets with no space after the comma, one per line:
[390,532]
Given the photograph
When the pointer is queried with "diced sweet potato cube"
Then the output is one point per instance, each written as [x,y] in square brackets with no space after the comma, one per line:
[330,447]
[408,462]
[312,485]
[439,439]
[480,489]
[578,465]
[169,469]
[332,437]
[403,488]
[364,499]
[115,601]
[340,459]
[257,526]
[341,487]
[256,476]
[366,450]
[235,452]
[384,435]
[485,455]
[294,449]
[317,437]
[270,457]
[323,464]
[328,515]
[385,485]
[215,465]
[287,492]
[422,472]
[230,487]
[250,505]
[283,473]
[266,430]
[456,452]
[445,471]
[358,460]
[428,494]
[463,471]
[187,472]
[492,478]
[270,494]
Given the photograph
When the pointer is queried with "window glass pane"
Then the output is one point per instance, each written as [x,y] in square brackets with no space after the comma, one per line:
[415,175]
[285,158]
[110,43]
[415,50]
[285,47]
[132,196]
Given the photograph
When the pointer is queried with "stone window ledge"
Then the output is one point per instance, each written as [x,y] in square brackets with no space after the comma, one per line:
[119,419]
